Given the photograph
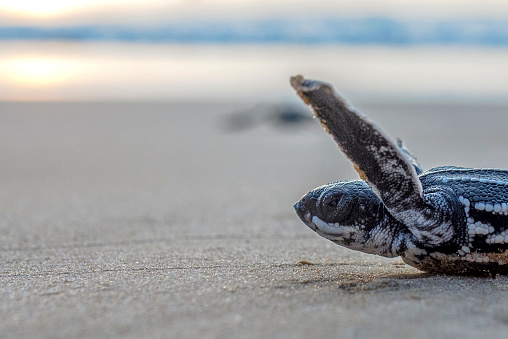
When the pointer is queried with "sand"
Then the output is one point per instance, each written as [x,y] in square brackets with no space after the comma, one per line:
[163,220]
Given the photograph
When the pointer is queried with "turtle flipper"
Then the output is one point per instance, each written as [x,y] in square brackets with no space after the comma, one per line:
[379,161]
[410,155]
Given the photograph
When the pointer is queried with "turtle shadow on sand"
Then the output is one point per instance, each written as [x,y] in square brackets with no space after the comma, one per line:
[414,284]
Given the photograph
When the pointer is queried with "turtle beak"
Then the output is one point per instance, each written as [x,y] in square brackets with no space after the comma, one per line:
[302,209]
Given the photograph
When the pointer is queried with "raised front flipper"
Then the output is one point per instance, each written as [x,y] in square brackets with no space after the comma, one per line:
[380,162]
[410,155]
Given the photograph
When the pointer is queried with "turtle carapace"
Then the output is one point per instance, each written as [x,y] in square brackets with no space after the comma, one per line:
[448,219]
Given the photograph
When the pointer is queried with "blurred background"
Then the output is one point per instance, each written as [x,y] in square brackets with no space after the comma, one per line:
[245,50]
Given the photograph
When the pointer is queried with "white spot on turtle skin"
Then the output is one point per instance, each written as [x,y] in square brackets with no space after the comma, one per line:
[478,228]
[499,239]
[479,206]
[489,207]
[418,251]
[497,207]
[307,216]
[466,249]
[482,231]
[466,202]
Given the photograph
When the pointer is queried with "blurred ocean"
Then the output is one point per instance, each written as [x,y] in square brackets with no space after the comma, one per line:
[353,31]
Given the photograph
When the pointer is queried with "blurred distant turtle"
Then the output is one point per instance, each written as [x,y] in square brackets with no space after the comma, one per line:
[276,115]
[447,220]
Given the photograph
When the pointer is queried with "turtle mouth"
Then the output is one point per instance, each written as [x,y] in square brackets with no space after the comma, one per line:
[313,222]
[330,231]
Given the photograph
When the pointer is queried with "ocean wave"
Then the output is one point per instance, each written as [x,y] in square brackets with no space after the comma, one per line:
[351,31]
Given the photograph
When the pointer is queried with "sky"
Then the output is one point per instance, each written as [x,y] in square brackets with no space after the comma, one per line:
[63,12]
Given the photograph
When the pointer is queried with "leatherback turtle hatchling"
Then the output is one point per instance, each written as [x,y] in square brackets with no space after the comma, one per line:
[448,219]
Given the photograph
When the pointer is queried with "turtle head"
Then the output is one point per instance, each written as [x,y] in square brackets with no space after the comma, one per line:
[348,213]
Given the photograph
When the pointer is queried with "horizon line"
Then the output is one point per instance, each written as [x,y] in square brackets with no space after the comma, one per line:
[324,30]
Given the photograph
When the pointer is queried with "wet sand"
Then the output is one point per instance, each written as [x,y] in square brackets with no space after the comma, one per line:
[176,220]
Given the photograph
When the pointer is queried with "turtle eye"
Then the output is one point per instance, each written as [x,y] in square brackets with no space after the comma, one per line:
[329,205]
[336,207]
[332,201]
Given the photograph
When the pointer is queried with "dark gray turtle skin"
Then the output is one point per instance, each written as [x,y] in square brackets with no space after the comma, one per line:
[448,220]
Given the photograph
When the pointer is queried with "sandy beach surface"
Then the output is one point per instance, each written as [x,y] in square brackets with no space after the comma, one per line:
[173,220]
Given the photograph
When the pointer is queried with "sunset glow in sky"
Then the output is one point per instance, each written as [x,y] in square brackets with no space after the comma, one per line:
[61,7]
[38,71]
[43,8]
[55,12]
